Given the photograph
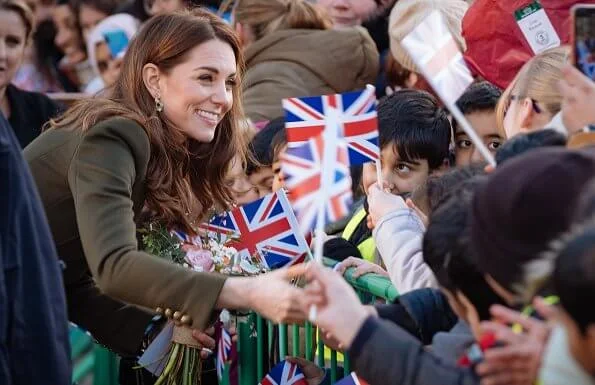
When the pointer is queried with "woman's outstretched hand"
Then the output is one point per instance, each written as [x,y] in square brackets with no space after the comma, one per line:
[273,297]
[314,375]
[338,309]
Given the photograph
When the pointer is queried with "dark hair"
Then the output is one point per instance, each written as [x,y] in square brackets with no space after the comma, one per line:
[261,145]
[447,250]
[479,97]
[574,278]
[183,182]
[412,122]
[440,187]
[527,142]
[279,141]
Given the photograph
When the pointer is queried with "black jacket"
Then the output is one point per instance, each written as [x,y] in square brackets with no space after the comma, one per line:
[34,346]
[28,113]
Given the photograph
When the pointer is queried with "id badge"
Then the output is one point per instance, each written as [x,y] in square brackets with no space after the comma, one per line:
[537,27]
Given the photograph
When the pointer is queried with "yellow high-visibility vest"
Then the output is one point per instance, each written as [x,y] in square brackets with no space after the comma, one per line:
[367,248]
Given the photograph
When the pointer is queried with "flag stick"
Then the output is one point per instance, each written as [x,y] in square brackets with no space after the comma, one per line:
[379,174]
[479,144]
[330,136]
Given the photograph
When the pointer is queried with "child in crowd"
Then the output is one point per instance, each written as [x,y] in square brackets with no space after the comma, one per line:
[478,105]
[260,170]
[242,190]
[107,43]
[415,134]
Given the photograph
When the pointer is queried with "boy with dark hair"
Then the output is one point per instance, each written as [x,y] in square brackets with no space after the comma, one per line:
[414,144]
[478,104]
[259,169]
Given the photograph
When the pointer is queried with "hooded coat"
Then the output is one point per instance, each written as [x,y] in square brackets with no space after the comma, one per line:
[305,62]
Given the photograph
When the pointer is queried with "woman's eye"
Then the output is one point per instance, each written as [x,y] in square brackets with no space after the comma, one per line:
[231,83]
[494,145]
[464,143]
[206,78]
[13,41]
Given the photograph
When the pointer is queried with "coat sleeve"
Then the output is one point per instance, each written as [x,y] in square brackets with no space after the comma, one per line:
[382,353]
[398,237]
[111,158]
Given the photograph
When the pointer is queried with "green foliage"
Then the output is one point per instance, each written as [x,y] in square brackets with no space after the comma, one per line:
[158,241]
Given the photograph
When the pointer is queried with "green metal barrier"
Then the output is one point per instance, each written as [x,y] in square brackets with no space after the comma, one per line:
[257,340]
[252,330]
[92,363]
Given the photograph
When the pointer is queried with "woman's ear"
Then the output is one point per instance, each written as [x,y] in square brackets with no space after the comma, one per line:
[525,114]
[151,78]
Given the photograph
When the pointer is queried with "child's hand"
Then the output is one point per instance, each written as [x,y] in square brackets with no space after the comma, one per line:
[361,267]
[381,203]
[314,375]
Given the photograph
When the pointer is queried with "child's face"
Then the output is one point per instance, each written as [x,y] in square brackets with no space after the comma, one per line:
[581,345]
[348,13]
[485,124]
[400,176]
[262,179]
[278,182]
[109,68]
[241,189]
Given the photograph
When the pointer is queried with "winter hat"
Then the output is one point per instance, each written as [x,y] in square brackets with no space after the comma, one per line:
[526,204]
[407,14]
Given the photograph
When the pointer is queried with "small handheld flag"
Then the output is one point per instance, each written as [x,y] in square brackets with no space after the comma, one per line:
[356,117]
[302,170]
[267,226]
[435,52]
[223,352]
[285,373]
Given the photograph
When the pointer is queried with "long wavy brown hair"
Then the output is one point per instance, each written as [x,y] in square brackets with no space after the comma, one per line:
[183,182]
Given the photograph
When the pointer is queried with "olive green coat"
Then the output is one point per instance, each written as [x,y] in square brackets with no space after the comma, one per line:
[92,186]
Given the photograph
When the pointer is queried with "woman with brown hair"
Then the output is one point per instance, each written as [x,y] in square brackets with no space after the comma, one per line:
[162,141]
[291,51]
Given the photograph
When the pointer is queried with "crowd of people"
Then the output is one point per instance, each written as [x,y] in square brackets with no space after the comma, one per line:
[178,111]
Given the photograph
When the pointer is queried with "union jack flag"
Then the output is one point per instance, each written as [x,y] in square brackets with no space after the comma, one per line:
[223,352]
[305,118]
[302,172]
[285,373]
[352,379]
[267,226]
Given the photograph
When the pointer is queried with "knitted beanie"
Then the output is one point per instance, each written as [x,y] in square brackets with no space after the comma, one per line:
[527,203]
[407,14]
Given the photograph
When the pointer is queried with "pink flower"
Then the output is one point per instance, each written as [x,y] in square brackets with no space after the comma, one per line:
[200,259]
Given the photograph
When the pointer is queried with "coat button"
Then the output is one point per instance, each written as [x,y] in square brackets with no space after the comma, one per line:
[159,310]
[177,315]
[186,319]
[168,313]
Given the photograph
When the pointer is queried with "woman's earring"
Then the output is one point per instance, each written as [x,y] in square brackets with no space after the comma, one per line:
[158,103]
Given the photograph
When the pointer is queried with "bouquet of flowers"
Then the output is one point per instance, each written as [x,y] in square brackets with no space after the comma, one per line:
[206,252]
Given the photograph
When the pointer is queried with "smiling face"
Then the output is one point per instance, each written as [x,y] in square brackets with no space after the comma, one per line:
[402,176]
[89,17]
[197,93]
[348,13]
[242,190]
[13,35]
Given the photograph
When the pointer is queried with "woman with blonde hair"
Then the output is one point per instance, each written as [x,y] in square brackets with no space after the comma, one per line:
[291,51]
[161,142]
[533,99]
